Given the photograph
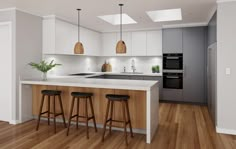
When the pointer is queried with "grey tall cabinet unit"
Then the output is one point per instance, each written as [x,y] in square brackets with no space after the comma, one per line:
[194,40]
[191,42]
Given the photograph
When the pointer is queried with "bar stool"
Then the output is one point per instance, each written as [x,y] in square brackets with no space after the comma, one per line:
[78,96]
[50,93]
[124,101]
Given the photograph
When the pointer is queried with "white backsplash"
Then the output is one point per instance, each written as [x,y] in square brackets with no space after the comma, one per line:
[76,64]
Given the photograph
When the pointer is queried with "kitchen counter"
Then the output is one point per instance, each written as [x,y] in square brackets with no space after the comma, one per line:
[150,90]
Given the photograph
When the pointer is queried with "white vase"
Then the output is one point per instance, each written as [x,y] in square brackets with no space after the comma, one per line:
[44,76]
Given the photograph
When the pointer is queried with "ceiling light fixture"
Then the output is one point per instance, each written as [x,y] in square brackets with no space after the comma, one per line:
[165,15]
[120,46]
[79,49]
[115,19]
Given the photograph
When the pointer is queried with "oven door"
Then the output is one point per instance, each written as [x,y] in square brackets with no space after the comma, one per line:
[173,61]
[173,80]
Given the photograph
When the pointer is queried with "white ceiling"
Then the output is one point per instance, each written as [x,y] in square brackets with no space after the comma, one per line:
[193,11]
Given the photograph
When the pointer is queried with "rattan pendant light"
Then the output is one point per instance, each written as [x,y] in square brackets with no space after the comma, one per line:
[79,49]
[120,46]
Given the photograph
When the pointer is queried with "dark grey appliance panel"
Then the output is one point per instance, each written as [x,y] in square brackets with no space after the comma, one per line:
[194,64]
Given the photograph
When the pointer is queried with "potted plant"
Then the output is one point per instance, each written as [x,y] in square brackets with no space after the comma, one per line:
[155,69]
[44,67]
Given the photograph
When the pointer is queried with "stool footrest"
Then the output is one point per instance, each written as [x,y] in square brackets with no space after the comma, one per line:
[76,115]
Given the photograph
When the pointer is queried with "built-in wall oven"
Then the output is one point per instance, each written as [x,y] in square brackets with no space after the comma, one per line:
[173,61]
[173,80]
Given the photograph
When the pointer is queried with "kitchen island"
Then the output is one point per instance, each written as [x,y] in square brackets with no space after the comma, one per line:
[143,102]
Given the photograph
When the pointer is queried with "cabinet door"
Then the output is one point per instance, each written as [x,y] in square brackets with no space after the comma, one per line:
[194,64]
[154,43]
[49,32]
[66,37]
[172,40]
[139,44]
[91,41]
[127,38]
[109,44]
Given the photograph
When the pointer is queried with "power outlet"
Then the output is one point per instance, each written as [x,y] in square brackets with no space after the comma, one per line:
[227,71]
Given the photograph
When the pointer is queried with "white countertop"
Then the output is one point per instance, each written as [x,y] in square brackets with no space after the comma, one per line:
[93,83]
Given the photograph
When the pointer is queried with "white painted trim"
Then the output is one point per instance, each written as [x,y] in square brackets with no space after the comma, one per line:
[14,122]
[225,1]
[211,13]
[9,23]
[225,131]
[185,25]
[8,9]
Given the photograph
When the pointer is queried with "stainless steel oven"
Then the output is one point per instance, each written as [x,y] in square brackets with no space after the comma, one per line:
[173,61]
[173,80]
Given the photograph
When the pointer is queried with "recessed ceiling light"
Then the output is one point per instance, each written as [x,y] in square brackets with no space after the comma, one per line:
[165,15]
[115,19]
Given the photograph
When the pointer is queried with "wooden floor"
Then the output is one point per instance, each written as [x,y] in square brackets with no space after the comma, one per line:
[181,127]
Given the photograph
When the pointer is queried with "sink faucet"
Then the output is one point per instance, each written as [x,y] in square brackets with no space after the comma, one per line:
[133,65]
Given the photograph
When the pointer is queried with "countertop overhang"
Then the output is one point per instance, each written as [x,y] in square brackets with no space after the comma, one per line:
[94,83]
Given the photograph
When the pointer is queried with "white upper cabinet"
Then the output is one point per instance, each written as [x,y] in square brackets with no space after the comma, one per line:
[91,41]
[154,43]
[109,41]
[60,37]
[127,38]
[139,43]
[66,37]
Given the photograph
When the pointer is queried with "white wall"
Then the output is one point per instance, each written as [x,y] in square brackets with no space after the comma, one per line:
[71,64]
[226,52]
[75,64]
[142,64]
[28,47]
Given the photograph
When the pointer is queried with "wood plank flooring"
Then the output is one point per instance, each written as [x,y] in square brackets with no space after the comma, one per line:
[181,127]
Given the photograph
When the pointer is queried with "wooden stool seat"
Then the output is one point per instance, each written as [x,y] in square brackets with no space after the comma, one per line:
[87,97]
[55,94]
[123,99]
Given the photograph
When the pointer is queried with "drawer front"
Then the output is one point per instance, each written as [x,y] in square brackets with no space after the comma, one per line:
[172,94]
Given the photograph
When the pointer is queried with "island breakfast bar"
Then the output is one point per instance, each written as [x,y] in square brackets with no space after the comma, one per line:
[143,102]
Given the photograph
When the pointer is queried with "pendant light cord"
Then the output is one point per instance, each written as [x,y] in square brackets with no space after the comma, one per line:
[79,24]
[120,21]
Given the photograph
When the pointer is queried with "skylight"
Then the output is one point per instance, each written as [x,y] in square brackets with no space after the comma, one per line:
[115,19]
[165,15]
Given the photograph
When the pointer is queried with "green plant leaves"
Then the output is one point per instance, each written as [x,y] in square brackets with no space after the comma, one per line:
[43,66]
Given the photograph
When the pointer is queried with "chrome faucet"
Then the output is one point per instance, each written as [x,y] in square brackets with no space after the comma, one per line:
[133,65]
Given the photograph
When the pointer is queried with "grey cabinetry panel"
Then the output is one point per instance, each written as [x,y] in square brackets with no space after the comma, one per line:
[136,77]
[172,40]
[194,64]
[117,77]
[172,94]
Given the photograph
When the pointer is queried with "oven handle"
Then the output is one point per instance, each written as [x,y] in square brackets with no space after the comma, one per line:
[172,77]
[172,57]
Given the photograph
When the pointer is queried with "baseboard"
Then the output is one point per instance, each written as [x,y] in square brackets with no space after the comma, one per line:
[140,131]
[14,122]
[225,131]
